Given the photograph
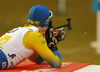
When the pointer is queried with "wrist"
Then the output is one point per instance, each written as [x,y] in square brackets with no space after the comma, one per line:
[53,49]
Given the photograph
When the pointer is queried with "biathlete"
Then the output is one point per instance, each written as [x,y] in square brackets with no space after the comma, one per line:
[31,41]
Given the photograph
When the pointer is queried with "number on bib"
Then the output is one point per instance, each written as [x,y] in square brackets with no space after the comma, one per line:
[4,39]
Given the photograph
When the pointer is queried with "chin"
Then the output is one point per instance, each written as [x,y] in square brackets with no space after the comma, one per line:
[42,32]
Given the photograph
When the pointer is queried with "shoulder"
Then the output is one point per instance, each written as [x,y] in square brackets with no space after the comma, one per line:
[32,28]
[32,34]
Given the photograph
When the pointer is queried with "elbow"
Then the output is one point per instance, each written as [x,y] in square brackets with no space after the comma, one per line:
[57,65]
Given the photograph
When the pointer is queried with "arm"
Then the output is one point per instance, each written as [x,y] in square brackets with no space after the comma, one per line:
[35,57]
[39,45]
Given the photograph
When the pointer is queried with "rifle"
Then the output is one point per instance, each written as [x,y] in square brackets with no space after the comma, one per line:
[66,25]
[52,29]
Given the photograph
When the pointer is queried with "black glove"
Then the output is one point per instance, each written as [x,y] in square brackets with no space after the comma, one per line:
[50,40]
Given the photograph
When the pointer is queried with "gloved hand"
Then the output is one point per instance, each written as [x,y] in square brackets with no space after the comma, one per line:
[52,44]
[50,39]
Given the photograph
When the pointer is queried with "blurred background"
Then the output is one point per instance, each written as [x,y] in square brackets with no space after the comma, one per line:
[76,46]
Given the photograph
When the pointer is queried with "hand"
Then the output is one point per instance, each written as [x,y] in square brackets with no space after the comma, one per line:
[51,42]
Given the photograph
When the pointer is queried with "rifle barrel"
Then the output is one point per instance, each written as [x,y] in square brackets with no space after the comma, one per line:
[60,26]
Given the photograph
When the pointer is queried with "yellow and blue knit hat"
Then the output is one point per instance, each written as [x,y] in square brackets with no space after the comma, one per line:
[39,15]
